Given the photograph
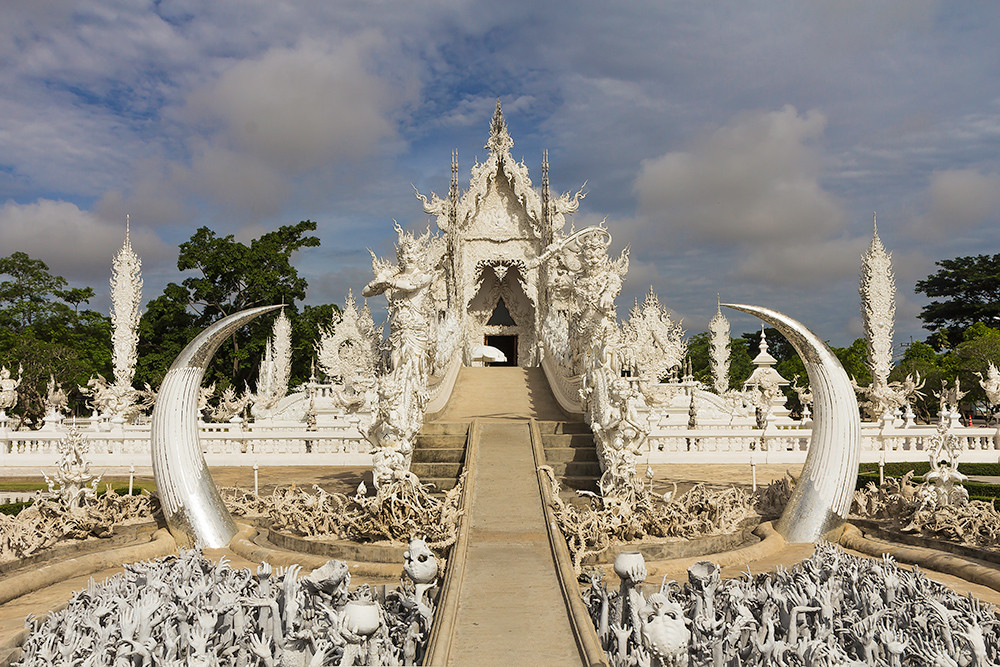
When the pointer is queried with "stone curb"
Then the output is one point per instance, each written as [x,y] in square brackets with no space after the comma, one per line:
[930,559]
[242,544]
[443,627]
[123,535]
[771,543]
[587,641]
[17,585]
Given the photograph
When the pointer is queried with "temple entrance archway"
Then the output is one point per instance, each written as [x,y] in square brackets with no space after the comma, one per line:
[501,312]
[507,345]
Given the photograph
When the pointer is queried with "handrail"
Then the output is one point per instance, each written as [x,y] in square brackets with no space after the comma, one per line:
[441,390]
[443,630]
[584,632]
[563,388]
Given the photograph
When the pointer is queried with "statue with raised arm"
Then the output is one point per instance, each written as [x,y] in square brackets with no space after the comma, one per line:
[402,392]
[991,385]
[595,283]
[406,289]
[56,399]
[8,389]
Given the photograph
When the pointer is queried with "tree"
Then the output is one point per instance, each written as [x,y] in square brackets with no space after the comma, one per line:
[28,295]
[44,334]
[230,276]
[970,288]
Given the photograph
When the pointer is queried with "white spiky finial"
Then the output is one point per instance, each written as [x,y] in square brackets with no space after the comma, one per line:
[878,309]
[126,295]
[719,351]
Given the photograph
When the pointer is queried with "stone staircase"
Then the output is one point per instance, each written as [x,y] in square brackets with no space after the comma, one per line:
[571,453]
[439,453]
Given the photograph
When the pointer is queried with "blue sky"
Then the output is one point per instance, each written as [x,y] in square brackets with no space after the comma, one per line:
[740,148]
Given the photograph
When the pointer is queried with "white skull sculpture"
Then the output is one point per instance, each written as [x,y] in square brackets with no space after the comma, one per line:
[664,632]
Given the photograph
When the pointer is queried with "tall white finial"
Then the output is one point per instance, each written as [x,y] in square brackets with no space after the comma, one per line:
[719,351]
[878,310]
[126,295]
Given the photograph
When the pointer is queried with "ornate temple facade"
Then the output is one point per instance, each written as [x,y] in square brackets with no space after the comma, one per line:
[494,234]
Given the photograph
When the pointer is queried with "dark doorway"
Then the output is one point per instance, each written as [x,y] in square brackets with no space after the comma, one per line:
[507,345]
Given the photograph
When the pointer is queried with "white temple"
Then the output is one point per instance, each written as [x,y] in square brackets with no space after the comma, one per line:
[494,233]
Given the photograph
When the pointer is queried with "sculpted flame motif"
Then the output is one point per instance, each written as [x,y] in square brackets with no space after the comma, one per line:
[126,295]
[878,309]
[719,352]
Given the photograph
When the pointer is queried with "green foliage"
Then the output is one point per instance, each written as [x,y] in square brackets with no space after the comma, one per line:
[29,295]
[230,276]
[740,366]
[13,509]
[305,337]
[979,346]
[970,291]
[740,362]
[699,348]
[41,332]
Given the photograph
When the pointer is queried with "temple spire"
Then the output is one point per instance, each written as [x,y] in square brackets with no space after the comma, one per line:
[546,210]
[453,191]
[500,141]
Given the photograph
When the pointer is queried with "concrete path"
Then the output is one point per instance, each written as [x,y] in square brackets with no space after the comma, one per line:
[510,609]
[501,392]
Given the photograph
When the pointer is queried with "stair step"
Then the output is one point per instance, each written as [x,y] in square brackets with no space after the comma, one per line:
[548,427]
[438,455]
[445,428]
[434,441]
[567,454]
[429,470]
[441,483]
[576,469]
[568,440]
[584,483]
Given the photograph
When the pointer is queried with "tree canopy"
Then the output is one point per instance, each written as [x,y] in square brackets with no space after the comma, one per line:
[43,330]
[229,276]
[965,290]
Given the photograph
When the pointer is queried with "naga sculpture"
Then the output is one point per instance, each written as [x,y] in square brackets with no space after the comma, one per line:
[822,497]
[191,503]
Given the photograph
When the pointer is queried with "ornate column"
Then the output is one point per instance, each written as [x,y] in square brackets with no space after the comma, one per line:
[126,294]
[878,309]
[719,353]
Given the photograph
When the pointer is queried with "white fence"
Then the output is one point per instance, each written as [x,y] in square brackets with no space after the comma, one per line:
[342,444]
[223,445]
[789,444]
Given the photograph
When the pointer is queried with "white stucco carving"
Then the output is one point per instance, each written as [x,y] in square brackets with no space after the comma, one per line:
[718,356]
[348,350]
[878,310]
[402,391]
[126,297]
[652,346]
[275,368]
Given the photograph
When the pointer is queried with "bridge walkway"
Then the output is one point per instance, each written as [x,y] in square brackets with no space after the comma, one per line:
[509,604]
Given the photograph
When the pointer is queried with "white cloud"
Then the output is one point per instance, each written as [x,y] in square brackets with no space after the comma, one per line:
[753,180]
[752,185]
[959,199]
[298,108]
[75,244]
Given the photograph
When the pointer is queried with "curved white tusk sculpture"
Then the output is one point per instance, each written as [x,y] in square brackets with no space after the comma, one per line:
[191,503]
[822,497]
